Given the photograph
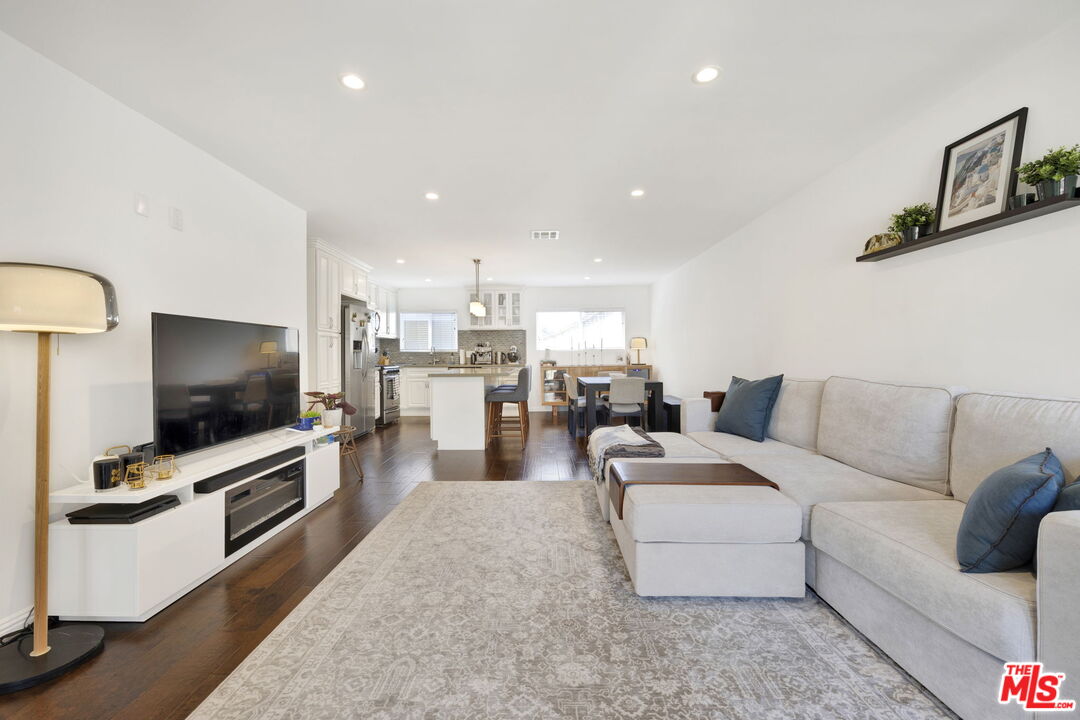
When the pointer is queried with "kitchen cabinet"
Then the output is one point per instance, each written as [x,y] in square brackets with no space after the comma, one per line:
[416,387]
[354,282]
[503,310]
[327,292]
[385,302]
[328,359]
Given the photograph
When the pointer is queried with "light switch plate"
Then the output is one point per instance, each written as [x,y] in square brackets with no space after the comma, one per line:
[142,205]
[176,219]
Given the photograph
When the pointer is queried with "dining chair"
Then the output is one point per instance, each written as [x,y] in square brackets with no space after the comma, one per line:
[626,399]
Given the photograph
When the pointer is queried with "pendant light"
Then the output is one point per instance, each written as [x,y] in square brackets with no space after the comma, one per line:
[476,308]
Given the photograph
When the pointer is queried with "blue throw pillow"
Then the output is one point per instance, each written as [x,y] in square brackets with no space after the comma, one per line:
[1069,499]
[748,406]
[1000,527]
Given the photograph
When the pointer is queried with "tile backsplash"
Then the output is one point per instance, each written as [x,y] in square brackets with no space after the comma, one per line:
[467,340]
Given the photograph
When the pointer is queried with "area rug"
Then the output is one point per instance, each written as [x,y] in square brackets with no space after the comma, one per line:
[500,601]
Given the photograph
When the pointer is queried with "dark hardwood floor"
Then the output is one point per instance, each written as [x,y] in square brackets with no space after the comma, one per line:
[163,668]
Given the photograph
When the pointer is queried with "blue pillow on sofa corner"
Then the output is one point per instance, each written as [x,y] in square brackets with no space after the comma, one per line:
[1069,499]
[1000,527]
[748,406]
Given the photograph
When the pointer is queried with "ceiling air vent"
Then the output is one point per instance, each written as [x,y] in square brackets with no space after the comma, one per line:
[545,234]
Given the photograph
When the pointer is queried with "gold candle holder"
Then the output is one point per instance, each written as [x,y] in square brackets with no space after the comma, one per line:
[135,477]
[164,467]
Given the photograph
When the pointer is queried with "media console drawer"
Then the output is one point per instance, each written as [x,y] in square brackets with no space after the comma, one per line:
[125,571]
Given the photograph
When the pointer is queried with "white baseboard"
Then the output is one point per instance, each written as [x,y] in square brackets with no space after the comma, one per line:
[14,621]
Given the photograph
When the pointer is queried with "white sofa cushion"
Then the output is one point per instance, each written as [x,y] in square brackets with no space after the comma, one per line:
[909,550]
[995,429]
[710,514]
[795,415]
[677,445]
[899,432]
[810,479]
[727,445]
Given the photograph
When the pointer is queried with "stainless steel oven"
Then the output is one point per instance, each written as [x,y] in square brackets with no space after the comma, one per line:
[389,394]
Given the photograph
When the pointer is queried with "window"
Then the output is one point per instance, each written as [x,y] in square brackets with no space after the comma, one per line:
[574,329]
[420,332]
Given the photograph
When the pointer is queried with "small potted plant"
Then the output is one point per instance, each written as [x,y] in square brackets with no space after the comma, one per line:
[1054,174]
[913,222]
[331,415]
[308,418]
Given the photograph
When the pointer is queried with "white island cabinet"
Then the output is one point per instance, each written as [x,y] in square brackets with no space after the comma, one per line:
[457,411]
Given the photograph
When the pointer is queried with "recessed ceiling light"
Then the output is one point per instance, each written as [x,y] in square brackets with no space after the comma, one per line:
[588,278]
[401,261]
[427,279]
[352,81]
[706,74]
[490,279]
[431,196]
[598,259]
[637,193]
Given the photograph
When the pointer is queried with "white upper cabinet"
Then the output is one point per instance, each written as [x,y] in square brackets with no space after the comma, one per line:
[327,292]
[503,310]
[385,302]
[354,282]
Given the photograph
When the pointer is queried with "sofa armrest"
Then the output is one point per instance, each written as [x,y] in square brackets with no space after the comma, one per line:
[1057,593]
[696,415]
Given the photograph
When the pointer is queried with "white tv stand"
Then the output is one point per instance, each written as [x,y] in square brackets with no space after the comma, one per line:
[129,572]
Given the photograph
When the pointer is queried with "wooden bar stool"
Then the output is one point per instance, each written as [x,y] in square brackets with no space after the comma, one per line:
[348,448]
[499,426]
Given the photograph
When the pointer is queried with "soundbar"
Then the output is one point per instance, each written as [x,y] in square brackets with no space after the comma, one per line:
[221,480]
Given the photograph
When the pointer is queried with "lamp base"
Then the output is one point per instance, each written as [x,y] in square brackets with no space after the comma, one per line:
[71,645]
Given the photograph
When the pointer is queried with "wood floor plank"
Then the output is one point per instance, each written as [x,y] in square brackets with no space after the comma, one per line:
[163,668]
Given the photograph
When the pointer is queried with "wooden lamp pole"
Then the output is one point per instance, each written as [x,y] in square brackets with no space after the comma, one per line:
[41,499]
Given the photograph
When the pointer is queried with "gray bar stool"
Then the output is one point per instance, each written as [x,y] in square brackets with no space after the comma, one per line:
[497,425]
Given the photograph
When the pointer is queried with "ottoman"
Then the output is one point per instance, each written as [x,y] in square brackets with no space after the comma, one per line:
[711,540]
[677,449]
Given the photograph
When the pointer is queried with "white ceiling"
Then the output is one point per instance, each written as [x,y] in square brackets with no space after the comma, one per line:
[528,114]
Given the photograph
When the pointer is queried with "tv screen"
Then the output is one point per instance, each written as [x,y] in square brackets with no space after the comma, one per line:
[216,381]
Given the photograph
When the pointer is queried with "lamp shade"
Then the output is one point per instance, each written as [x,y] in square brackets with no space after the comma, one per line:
[638,343]
[45,298]
[268,347]
[477,308]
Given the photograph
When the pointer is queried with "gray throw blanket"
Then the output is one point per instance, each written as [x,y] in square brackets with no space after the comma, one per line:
[621,441]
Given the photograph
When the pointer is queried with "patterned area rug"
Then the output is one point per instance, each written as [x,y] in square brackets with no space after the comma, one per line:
[498,601]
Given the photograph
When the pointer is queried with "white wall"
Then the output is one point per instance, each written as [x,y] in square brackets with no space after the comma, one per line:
[634,300]
[73,158]
[993,311]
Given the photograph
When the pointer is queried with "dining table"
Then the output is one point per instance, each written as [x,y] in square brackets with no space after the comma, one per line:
[590,387]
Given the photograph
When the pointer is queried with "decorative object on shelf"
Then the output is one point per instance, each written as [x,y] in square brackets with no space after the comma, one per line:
[163,468]
[315,399]
[307,420]
[882,241]
[333,405]
[135,476]
[1054,174]
[913,222]
[111,452]
[1022,200]
[639,344]
[105,473]
[384,358]
[978,173]
[476,307]
[44,299]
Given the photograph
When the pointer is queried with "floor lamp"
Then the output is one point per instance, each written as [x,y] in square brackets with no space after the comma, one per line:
[43,299]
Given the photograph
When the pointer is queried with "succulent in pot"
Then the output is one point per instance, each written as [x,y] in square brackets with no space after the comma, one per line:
[1054,174]
[914,221]
[308,418]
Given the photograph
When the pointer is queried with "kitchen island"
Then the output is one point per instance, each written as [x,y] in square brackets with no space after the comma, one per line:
[416,382]
[457,410]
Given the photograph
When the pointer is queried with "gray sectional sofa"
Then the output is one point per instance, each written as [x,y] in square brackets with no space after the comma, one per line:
[881,473]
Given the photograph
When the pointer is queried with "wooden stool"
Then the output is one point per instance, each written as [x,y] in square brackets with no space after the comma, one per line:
[348,448]
[500,426]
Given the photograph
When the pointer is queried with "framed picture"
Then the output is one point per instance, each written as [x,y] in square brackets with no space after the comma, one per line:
[979,172]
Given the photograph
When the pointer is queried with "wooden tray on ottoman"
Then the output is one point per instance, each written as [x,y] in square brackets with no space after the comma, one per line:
[624,474]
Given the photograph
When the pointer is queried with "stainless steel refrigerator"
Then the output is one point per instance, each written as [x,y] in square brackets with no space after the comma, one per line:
[360,373]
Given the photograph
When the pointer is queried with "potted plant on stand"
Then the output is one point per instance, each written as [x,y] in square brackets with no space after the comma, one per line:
[331,414]
[1054,174]
[914,222]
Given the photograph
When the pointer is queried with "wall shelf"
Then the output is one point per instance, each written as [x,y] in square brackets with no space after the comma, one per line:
[1001,220]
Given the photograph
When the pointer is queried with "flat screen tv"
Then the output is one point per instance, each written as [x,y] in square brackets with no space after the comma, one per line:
[217,381]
